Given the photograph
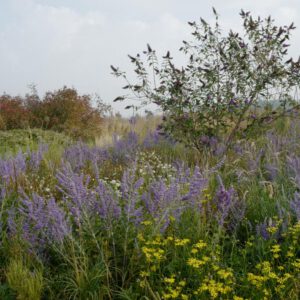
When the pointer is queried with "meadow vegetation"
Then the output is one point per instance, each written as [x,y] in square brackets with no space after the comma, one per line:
[161,212]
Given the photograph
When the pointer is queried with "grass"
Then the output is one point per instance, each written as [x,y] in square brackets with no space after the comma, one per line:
[12,141]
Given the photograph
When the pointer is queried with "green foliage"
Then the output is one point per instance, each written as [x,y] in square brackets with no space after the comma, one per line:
[228,86]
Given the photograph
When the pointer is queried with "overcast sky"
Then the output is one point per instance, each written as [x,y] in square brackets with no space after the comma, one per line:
[53,43]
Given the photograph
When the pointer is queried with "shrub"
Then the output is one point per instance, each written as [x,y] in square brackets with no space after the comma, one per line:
[229,85]
[63,110]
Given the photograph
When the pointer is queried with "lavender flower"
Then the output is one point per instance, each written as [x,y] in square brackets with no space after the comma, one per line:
[196,185]
[79,155]
[125,149]
[42,221]
[254,163]
[230,209]
[11,168]
[36,157]
[152,138]
[129,189]
[75,192]
[163,200]
[261,230]
[238,149]
[86,202]
[107,205]
[223,199]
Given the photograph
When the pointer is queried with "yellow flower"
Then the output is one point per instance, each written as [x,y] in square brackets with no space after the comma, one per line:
[181,242]
[249,244]
[272,229]
[144,274]
[194,251]
[200,245]
[153,268]
[195,263]
[275,250]
[153,253]
[283,279]
[169,280]
[146,223]
[216,267]
[159,254]
[172,219]
[182,283]
[256,280]
[205,258]
[225,273]
[290,252]
[214,288]
[296,264]
[140,237]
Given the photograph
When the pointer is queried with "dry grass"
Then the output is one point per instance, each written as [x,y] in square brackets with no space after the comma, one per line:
[119,126]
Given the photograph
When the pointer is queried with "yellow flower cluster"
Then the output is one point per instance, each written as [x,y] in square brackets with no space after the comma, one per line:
[294,231]
[225,273]
[146,223]
[256,280]
[153,254]
[181,242]
[197,263]
[205,266]
[268,276]
[214,288]
[198,246]
[275,250]
[274,228]
[296,264]
[173,289]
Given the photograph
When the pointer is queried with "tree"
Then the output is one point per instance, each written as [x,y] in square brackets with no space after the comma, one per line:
[228,86]
[13,113]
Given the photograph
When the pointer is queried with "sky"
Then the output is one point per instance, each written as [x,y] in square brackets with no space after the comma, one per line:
[53,43]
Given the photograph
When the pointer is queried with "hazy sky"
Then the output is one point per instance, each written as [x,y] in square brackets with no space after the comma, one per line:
[53,43]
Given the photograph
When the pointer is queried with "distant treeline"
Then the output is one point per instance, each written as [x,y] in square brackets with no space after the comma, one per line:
[63,110]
